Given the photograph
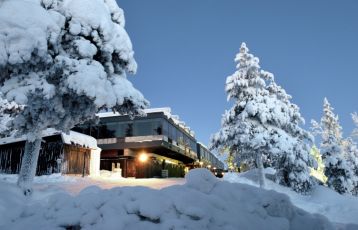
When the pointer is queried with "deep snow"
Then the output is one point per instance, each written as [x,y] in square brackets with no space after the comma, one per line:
[336,207]
[203,202]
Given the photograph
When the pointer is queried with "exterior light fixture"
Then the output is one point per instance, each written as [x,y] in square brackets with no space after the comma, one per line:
[143,157]
[201,163]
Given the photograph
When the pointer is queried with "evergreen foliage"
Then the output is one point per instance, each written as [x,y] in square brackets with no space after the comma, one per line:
[264,124]
[339,174]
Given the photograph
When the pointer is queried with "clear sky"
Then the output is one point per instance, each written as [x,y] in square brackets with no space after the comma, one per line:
[185,49]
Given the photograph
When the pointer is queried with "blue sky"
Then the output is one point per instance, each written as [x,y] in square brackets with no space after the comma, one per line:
[185,50]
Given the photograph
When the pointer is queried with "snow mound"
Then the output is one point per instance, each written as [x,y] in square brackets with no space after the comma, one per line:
[336,207]
[201,179]
[202,203]
[110,175]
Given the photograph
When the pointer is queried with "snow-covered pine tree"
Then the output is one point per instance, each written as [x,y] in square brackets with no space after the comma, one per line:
[290,145]
[338,173]
[263,122]
[351,156]
[68,61]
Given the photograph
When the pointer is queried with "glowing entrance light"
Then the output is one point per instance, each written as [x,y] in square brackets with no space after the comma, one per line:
[143,157]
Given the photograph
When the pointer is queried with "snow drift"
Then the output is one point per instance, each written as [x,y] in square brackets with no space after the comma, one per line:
[204,202]
[339,209]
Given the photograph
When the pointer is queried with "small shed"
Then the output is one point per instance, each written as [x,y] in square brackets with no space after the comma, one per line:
[71,153]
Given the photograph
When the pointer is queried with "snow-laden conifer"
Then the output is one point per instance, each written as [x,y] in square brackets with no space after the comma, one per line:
[264,124]
[351,156]
[63,60]
[337,170]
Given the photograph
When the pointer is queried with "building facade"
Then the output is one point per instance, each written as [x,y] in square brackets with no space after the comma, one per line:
[145,147]
[72,153]
[156,145]
[207,159]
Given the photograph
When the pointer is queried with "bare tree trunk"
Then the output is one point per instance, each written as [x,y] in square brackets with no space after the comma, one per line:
[29,165]
[260,170]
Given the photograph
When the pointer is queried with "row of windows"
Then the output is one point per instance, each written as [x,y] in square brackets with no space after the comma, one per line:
[156,126]
[207,155]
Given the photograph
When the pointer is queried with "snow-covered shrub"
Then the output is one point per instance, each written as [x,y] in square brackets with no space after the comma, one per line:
[64,60]
[264,124]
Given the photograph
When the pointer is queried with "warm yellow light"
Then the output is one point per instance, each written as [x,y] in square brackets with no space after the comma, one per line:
[209,166]
[201,163]
[143,157]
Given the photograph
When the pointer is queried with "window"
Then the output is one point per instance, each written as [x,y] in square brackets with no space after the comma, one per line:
[172,132]
[180,137]
[142,128]
[165,126]
[129,129]
[157,127]
[115,129]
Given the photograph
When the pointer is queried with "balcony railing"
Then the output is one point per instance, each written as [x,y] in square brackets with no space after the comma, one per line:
[106,141]
[144,138]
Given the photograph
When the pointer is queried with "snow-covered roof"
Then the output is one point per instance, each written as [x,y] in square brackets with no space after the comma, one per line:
[165,110]
[72,138]
[79,139]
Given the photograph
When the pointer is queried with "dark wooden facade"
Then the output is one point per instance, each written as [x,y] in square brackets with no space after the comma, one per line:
[132,167]
[54,157]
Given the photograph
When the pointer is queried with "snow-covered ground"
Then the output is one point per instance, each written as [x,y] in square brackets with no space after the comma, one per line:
[337,208]
[201,201]
[44,185]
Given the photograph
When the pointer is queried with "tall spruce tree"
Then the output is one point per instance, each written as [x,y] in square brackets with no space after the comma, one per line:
[337,170]
[264,124]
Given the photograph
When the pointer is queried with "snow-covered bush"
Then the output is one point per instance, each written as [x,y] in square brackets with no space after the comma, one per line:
[339,174]
[64,60]
[264,124]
